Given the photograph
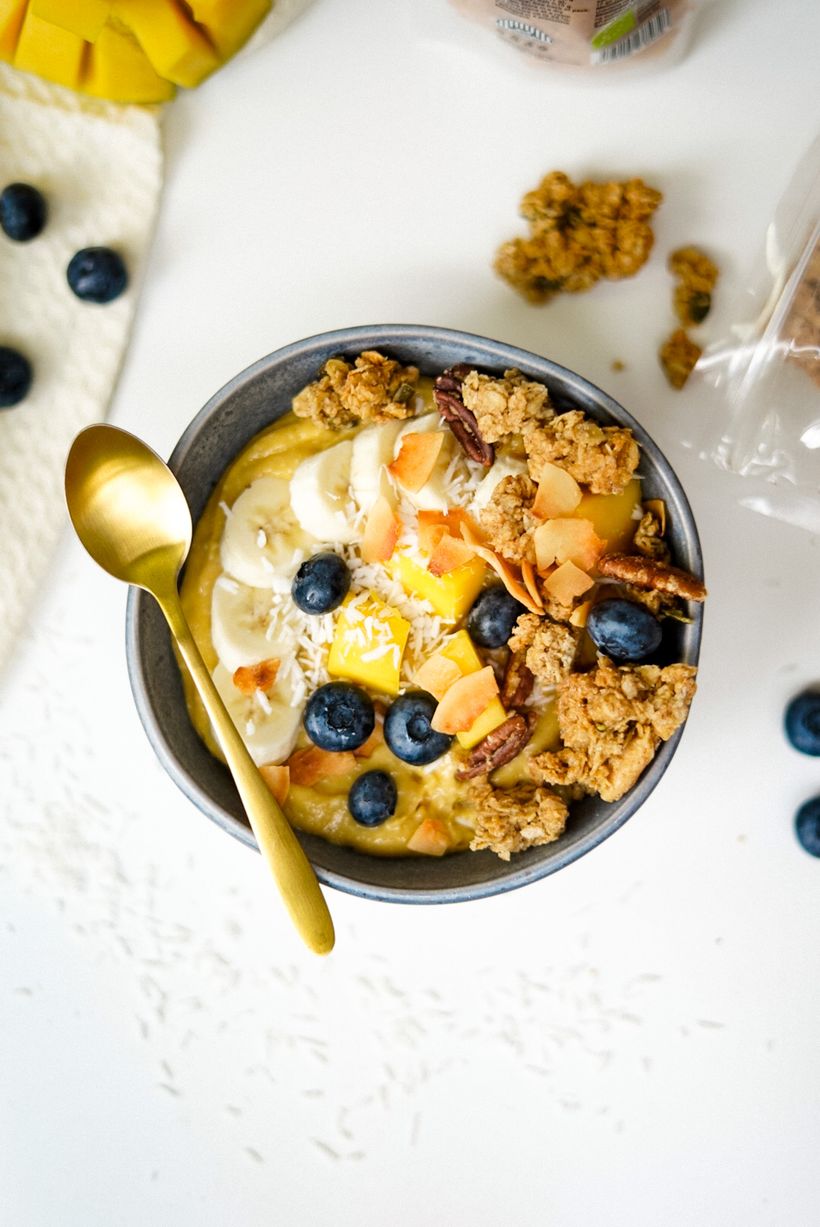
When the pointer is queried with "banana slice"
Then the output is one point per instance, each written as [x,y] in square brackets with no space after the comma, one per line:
[433,495]
[503,466]
[262,544]
[373,448]
[320,495]
[242,631]
[268,723]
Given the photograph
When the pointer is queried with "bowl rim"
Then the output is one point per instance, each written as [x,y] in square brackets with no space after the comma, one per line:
[498,353]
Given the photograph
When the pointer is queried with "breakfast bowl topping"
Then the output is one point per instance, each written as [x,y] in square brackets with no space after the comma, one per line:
[437,603]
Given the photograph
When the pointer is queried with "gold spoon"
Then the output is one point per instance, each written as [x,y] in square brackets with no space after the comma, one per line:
[131,515]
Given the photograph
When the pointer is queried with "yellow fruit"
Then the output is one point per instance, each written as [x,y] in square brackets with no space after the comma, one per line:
[611,515]
[368,644]
[126,50]
[462,652]
[451,594]
[119,69]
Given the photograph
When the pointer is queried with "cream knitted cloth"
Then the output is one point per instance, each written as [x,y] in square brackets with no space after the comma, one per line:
[100,167]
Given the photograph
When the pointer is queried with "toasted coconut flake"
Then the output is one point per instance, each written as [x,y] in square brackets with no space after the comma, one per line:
[312,764]
[505,570]
[449,554]
[530,582]
[579,615]
[250,678]
[381,532]
[465,701]
[558,493]
[277,779]
[658,507]
[429,839]
[437,675]
[567,582]
[417,458]
[567,540]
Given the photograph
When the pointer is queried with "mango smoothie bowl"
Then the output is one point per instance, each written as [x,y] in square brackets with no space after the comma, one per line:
[450,594]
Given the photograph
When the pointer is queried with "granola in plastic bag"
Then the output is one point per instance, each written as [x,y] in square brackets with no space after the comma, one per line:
[588,33]
[767,372]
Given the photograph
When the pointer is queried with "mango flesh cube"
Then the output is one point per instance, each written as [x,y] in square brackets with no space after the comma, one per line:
[451,595]
[120,70]
[85,18]
[229,23]
[173,44]
[11,21]
[462,651]
[611,515]
[368,644]
[50,51]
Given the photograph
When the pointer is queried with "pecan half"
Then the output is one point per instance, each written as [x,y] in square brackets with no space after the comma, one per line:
[460,419]
[650,573]
[498,747]
[518,681]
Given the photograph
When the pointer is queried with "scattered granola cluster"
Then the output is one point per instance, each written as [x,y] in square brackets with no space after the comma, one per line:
[600,457]
[579,234]
[505,406]
[372,389]
[696,275]
[549,647]
[507,521]
[514,819]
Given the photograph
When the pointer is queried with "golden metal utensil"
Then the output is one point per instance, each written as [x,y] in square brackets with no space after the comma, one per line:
[131,515]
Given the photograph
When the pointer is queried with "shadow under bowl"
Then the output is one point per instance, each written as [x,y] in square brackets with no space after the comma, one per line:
[249,403]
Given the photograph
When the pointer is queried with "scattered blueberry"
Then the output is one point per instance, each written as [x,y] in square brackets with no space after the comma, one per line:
[372,798]
[22,212]
[321,583]
[623,629]
[807,826]
[802,722]
[339,716]
[15,377]
[97,274]
[493,616]
[407,729]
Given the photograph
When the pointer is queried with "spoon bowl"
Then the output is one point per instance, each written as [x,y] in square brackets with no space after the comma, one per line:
[131,515]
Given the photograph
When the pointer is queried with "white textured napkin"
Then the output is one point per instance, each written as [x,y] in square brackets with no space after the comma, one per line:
[100,168]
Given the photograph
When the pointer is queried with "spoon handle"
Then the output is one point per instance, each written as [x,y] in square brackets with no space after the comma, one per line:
[277,842]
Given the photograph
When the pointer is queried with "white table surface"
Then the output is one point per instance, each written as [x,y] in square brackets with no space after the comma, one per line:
[633,1040]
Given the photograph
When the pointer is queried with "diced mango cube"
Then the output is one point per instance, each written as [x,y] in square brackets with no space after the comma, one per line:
[369,643]
[84,18]
[119,69]
[451,595]
[612,515]
[462,651]
[175,46]
[50,51]
[11,21]
[229,22]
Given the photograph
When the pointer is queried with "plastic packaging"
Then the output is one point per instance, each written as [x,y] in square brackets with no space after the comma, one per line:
[767,372]
[594,34]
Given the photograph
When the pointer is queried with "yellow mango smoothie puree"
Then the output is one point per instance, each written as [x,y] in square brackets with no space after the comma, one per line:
[393,586]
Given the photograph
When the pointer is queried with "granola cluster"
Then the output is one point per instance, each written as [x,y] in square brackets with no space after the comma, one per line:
[549,647]
[611,721]
[603,458]
[505,406]
[371,389]
[578,235]
[514,819]
[696,275]
[507,521]
[678,356]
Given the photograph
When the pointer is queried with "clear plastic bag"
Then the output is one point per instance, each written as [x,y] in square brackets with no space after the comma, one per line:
[767,372]
[602,34]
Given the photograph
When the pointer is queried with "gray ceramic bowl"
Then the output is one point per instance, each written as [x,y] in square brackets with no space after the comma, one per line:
[231,418]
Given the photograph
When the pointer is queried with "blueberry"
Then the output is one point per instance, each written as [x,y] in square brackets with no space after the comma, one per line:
[339,716]
[15,377]
[623,629]
[372,799]
[407,729]
[321,583]
[493,616]
[22,212]
[97,274]
[802,722]
[807,826]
